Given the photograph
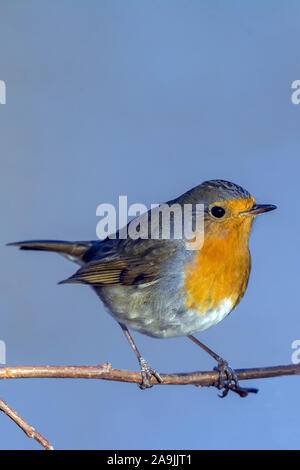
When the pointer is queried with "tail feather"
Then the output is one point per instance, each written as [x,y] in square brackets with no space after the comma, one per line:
[73,250]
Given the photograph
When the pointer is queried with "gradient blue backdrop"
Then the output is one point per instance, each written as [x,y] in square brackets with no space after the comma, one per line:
[147,99]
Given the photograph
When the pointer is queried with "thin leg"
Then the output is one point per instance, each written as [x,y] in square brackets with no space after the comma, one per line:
[146,370]
[227,379]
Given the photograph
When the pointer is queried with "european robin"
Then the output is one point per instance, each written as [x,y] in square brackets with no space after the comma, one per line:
[162,288]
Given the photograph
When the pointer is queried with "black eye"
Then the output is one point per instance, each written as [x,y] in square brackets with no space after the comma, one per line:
[218,211]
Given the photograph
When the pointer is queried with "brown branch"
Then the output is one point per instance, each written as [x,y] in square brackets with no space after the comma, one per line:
[29,430]
[106,372]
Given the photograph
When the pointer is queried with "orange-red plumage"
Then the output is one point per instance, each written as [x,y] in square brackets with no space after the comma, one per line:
[220,270]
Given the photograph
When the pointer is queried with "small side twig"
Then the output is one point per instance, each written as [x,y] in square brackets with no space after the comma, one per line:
[26,427]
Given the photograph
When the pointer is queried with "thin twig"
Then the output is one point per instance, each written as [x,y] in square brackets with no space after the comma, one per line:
[106,372]
[26,427]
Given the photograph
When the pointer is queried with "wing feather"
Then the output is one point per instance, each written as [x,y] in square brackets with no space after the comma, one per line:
[130,264]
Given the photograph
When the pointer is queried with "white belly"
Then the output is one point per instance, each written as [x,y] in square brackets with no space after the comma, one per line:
[213,317]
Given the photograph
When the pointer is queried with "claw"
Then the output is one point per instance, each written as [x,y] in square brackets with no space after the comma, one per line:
[147,373]
[228,380]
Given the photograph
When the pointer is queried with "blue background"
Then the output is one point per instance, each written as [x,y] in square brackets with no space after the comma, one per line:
[147,99]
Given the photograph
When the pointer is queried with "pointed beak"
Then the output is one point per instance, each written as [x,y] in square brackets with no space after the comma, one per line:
[260,209]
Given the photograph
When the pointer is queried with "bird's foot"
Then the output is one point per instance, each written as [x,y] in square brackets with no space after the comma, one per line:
[228,380]
[147,373]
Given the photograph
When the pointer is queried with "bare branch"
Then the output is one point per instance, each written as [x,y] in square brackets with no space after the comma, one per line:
[106,372]
[29,430]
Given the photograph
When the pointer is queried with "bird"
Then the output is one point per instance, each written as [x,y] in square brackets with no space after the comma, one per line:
[160,286]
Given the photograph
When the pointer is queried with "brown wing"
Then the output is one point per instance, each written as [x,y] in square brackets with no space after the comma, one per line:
[132,263]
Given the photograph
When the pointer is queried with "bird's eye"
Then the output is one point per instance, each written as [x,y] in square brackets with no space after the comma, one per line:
[218,211]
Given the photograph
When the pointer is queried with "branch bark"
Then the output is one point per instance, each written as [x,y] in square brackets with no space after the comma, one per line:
[106,372]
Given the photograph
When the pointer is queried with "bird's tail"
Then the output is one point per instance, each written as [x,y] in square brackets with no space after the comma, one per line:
[75,251]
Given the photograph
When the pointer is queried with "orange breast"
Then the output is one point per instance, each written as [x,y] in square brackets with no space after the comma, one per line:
[220,270]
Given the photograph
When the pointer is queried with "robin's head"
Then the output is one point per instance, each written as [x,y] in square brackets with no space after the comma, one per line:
[219,270]
[227,207]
